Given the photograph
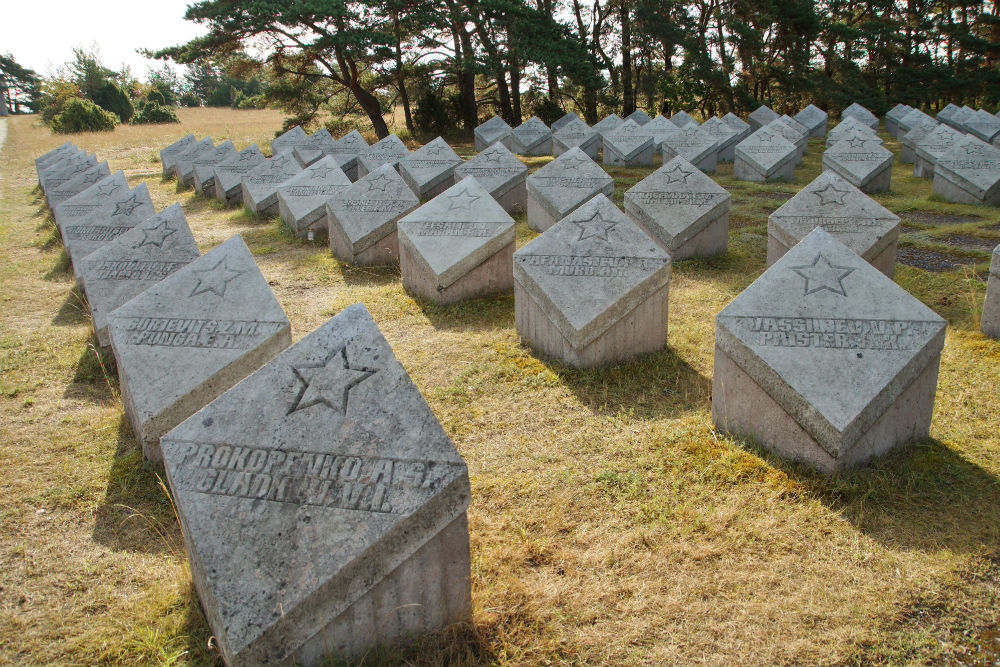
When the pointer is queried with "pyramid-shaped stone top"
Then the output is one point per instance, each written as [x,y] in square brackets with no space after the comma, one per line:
[918,132]
[167,154]
[683,119]
[80,182]
[790,122]
[590,269]
[676,202]
[763,115]
[660,128]
[574,133]
[496,168]
[530,133]
[607,124]
[767,150]
[456,231]
[857,160]
[182,160]
[493,130]
[983,125]
[314,147]
[847,213]
[143,256]
[559,124]
[54,155]
[828,336]
[639,117]
[262,182]
[937,142]
[947,114]
[963,116]
[898,112]
[812,117]
[79,206]
[429,165]
[568,181]
[359,475]
[628,139]
[230,172]
[851,128]
[972,164]
[205,163]
[721,130]
[367,211]
[346,149]
[735,122]
[304,195]
[914,118]
[791,134]
[389,150]
[55,175]
[287,142]
[116,215]
[860,113]
[692,143]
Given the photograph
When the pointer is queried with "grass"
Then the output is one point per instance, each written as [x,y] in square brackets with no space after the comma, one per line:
[610,523]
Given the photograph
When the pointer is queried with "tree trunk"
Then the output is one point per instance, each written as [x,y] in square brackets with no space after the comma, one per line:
[372,108]
[628,99]
[515,87]
[400,76]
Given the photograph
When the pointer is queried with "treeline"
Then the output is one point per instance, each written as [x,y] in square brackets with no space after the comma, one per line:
[447,62]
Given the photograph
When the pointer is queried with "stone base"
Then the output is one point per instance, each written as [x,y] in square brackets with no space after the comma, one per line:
[990,322]
[315,221]
[819,130]
[744,171]
[880,182]
[539,218]
[437,189]
[643,159]
[382,253]
[885,261]
[710,241]
[541,148]
[742,407]
[922,167]
[589,147]
[709,163]
[640,331]
[728,153]
[494,275]
[206,188]
[892,127]
[514,200]
[429,591]
[952,192]
[906,154]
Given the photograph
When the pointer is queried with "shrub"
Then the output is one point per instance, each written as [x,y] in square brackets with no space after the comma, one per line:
[431,113]
[79,115]
[548,110]
[154,96]
[189,99]
[154,113]
[112,98]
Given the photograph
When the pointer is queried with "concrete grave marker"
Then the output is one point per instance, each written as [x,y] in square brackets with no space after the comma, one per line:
[606,125]
[764,156]
[738,124]
[74,186]
[494,130]
[628,145]
[639,117]
[814,119]
[947,114]
[49,158]
[79,206]
[333,519]
[660,128]
[532,137]
[697,146]
[229,174]
[682,119]
[865,163]
[984,126]
[935,143]
[286,142]
[260,184]
[501,173]
[385,151]
[361,220]
[592,289]
[192,336]
[851,128]
[568,118]
[682,209]
[314,148]
[559,187]
[794,137]
[962,118]
[862,114]
[761,117]
[911,120]
[969,173]
[66,170]
[907,153]
[141,257]
[430,170]
[346,151]
[302,198]
[849,215]
[576,134]
[205,164]
[823,359]
[725,134]
[168,155]
[184,167]
[800,132]
[893,116]
[990,321]
[457,246]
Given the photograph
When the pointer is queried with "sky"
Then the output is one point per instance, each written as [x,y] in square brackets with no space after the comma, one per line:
[41,34]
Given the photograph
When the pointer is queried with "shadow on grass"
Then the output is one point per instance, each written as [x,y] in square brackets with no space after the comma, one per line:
[653,386]
[73,310]
[487,313]
[136,513]
[371,276]
[923,495]
[96,376]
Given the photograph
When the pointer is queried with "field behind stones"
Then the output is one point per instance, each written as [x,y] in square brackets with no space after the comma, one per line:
[610,523]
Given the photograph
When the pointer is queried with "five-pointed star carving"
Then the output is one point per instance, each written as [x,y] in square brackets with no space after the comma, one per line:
[462,200]
[822,275]
[92,178]
[156,235]
[765,138]
[492,155]
[574,162]
[215,279]
[434,150]
[379,182]
[831,195]
[857,142]
[108,188]
[596,227]
[247,156]
[319,173]
[677,175]
[973,149]
[126,206]
[328,384]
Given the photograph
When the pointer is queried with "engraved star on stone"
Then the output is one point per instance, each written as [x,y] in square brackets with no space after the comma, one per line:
[92,178]
[215,279]
[246,157]
[329,383]
[596,227]
[379,182]
[320,173]
[677,175]
[574,163]
[462,200]
[822,275]
[857,142]
[156,235]
[765,138]
[493,155]
[434,150]
[973,149]
[126,206]
[831,195]
[108,188]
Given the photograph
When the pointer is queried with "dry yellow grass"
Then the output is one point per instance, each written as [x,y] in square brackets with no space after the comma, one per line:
[610,524]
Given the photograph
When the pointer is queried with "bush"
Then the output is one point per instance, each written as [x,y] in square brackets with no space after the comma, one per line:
[79,115]
[154,113]
[431,113]
[156,97]
[189,99]
[548,110]
[112,98]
